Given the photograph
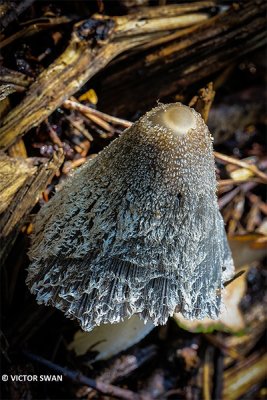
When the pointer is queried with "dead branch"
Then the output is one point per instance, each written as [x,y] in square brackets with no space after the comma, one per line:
[97,41]
[15,77]
[35,27]
[11,10]
[203,101]
[94,43]
[238,380]
[104,388]
[188,56]
[12,81]
[13,175]
[175,9]
[23,199]
[75,105]
[240,163]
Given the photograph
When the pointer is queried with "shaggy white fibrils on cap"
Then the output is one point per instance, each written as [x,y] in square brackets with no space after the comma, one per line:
[137,230]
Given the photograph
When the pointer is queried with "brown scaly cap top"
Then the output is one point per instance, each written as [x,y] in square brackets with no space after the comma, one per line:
[137,230]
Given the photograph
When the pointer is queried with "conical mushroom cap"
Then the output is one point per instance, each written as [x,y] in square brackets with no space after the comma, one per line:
[137,230]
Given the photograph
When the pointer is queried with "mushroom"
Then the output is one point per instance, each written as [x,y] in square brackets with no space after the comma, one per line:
[106,340]
[136,230]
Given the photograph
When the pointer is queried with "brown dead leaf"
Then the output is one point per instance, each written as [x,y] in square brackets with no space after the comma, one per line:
[247,248]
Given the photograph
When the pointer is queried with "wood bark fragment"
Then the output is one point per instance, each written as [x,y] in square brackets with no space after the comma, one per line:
[68,74]
[176,9]
[12,81]
[94,44]
[11,10]
[139,26]
[20,202]
[18,149]
[13,175]
[202,103]
[238,380]
[34,28]
[17,78]
[189,56]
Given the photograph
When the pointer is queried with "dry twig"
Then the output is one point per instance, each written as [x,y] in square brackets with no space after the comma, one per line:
[104,388]
[231,160]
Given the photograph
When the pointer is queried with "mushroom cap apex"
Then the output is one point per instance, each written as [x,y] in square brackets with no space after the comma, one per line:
[179,118]
[176,120]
